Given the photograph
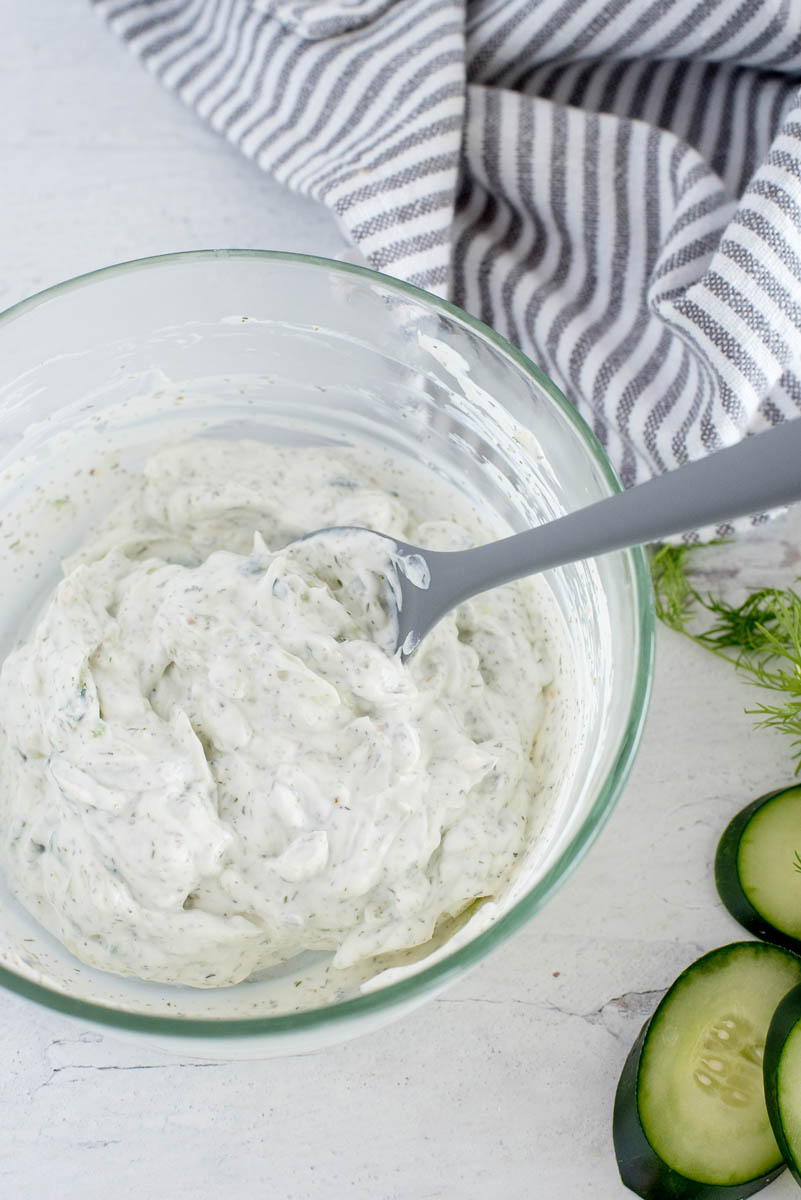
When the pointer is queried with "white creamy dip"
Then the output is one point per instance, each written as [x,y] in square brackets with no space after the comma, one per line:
[209,758]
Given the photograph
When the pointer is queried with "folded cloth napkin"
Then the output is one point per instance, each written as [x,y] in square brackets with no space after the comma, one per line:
[613,184]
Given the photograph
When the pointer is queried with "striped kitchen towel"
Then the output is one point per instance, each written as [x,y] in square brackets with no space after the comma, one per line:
[613,184]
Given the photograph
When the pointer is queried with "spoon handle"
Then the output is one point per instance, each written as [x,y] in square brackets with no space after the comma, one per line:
[760,473]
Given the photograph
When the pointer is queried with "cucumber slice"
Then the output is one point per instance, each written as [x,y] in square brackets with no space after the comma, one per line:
[783,1078]
[690,1119]
[756,871]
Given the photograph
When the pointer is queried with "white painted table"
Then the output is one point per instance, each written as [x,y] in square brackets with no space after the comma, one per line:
[502,1089]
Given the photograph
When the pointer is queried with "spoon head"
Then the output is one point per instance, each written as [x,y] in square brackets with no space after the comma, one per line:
[393,575]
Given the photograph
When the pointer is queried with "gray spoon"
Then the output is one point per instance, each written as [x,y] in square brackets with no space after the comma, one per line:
[758,474]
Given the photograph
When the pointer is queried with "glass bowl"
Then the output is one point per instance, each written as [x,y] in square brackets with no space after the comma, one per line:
[98,371]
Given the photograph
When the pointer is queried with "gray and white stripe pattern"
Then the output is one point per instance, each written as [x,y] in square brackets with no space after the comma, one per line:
[613,184]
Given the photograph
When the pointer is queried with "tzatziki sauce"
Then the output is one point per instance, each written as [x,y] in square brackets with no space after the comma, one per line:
[211,759]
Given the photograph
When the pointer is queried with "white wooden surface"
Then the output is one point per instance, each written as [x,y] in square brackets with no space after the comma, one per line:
[503,1088]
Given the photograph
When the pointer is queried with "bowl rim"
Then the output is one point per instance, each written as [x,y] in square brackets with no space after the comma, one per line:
[438,974]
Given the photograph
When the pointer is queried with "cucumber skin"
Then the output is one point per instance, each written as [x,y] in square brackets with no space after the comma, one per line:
[641,1169]
[727,879]
[785,1018]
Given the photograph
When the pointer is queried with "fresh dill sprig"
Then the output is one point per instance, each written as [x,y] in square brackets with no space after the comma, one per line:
[674,595]
[749,628]
[761,636]
[778,667]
